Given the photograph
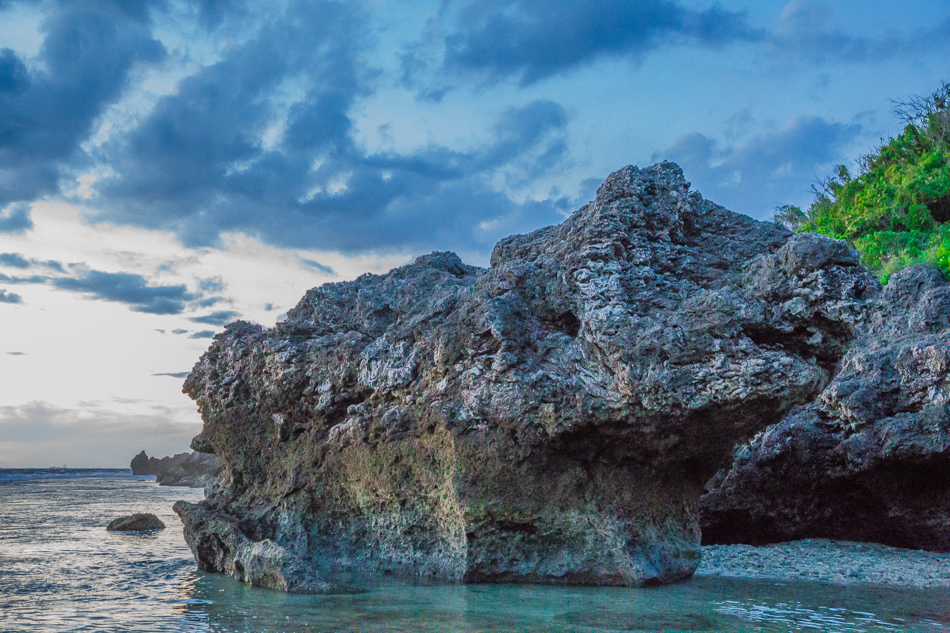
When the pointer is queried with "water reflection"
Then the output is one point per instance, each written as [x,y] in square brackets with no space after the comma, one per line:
[61,571]
[703,604]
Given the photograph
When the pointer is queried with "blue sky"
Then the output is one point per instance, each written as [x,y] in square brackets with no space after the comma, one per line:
[167,167]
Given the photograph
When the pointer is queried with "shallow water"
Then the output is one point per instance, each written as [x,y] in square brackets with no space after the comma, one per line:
[61,571]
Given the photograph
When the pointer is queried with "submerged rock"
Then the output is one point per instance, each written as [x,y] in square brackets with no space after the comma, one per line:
[136,523]
[184,469]
[552,419]
[869,459]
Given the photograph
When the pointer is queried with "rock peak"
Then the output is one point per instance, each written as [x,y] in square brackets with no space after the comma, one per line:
[665,178]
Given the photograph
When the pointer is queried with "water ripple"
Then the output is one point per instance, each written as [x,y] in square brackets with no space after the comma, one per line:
[62,571]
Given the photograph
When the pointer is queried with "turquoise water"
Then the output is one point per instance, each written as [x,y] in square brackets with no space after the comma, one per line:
[61,571]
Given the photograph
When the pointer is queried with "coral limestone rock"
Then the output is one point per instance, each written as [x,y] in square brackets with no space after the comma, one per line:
[552,419]
[869,459]
[184,469]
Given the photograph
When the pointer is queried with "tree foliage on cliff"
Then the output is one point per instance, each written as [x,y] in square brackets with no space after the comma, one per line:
[896,210]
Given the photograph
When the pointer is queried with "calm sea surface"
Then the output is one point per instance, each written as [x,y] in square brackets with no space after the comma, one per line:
[61,571]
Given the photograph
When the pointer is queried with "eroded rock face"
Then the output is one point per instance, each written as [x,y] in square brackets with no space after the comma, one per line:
[551,419]
[869,459]
[195,470]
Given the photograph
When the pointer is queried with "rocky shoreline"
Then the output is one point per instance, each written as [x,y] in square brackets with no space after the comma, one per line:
[557,417]
[823,560]
[192,470]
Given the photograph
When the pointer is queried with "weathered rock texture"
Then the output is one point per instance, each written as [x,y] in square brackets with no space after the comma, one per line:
[869,459]
[552,419]
[184,469]
[136,523]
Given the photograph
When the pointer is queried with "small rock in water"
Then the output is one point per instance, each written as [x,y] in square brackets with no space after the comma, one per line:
[136,523]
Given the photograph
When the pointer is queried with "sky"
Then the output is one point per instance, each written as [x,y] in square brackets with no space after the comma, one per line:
[167,167]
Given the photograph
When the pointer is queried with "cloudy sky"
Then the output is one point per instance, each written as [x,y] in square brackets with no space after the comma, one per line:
[167,167]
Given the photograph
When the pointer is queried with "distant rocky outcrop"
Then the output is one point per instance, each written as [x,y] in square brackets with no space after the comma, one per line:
[136,523]
[552,419]
[184,469]
[869,459]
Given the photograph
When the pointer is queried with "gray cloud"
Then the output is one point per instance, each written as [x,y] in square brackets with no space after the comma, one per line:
[326,270]
[31,279]
[130,289]
[221,317]
[203,334]
[197,164]
[530,41]
[6,297]
[767,170]
[15,218]
[49,107]
[175,374]
[16,260]
[16,354]
[263,141]
[806,33]
[39,434]
[212,284]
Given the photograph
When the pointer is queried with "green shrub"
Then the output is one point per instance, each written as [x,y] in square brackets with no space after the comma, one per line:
[896,210]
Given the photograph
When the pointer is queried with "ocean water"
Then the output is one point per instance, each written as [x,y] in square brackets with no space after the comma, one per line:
[60,570]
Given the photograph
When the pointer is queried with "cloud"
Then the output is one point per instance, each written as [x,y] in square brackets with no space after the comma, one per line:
[222,317]
[6,297]
[203,334]
[16,353]
[31,279]
[130,289]
[176,374]
[16,260]
[48,107]
[15,218]
[767,170]
[530,41]
[326,270]
[805,32]
[179,331]
[525,41]
[212,284]
[230,152]
[38,434]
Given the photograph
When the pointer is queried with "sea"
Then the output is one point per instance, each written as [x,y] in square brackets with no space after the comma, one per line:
[60,570]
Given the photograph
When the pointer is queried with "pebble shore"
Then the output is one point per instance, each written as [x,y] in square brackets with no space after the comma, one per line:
[840,562]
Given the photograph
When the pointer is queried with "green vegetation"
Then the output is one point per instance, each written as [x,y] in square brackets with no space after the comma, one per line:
[896,210]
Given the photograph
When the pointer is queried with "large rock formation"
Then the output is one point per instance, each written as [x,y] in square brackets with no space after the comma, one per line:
[869,459]
[551,419]
[195,470]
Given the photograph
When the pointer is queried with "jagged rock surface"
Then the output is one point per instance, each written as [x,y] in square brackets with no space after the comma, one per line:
[869,459]
[551,419]
[195,470]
